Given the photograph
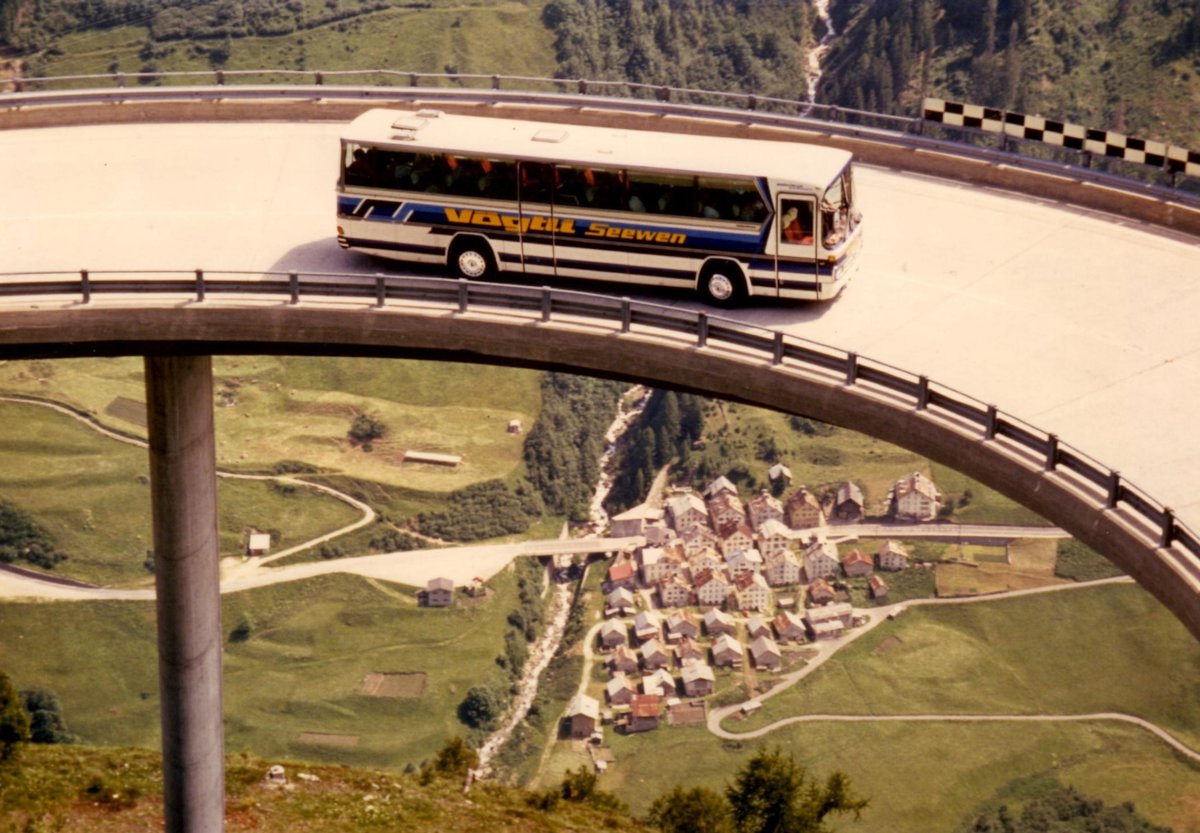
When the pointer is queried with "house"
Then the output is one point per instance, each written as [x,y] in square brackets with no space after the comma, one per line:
[688,651]
[439,592]
[643,713]
[765,654]
[878,587]
[780,475]
[622,660]
[757,626]
[647,625]
[658,534]
[734,537]
[821,560]
[789,627]
[675,592]
[633,522]
[621,574]
[620,690]
[821,592]
[848,504]
[706,559]
[727,652]
[721,485]
[764,507]
[620,601]
[915,498]
[725,509]
[514,426]
[716,623]
[687,510]
[828,622]
[803,510]
[682,625]
[659,682]
[659,563]
[698,680]
[857,564]
[259,543]
[654,655]
[712,588]
[752,592]
[740,562]
[612,634]
[782,569]
[582,716]
[892,556]
[773,537]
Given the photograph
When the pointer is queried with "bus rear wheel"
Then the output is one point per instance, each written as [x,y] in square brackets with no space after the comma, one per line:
[472,259]
[721,284]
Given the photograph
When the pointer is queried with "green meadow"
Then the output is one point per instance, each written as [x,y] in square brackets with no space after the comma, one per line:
[292,669]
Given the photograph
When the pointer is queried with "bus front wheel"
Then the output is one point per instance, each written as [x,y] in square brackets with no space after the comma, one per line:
[721,284]
[472,259]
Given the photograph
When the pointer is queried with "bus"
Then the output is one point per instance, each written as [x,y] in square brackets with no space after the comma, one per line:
[729,218]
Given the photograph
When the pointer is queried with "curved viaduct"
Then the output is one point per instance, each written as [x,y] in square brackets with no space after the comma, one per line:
[178,323]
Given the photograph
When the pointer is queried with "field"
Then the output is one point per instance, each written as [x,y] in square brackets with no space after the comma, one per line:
[287,408]
[446,37]
[92,494]
[310,646]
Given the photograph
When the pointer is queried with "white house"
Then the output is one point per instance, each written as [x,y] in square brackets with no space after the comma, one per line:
[698,679]
[821,560]
[915,498]
[892,556]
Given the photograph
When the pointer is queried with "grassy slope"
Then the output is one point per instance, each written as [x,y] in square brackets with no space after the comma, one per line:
[91,494]
[119,791]
[1071,653]
[311,643]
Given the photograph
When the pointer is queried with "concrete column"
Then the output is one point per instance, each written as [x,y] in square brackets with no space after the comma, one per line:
[183,483]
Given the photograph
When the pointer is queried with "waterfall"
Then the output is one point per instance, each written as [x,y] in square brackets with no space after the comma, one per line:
[812,69]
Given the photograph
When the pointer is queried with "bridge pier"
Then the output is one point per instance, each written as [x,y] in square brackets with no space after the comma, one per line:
[183,483]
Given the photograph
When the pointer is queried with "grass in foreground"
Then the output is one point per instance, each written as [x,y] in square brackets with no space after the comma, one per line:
[120,791]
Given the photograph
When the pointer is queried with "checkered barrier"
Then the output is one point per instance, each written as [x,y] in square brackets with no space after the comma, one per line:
[1177,160]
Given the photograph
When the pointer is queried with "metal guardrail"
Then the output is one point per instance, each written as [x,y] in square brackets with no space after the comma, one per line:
[697,329]
[745,108]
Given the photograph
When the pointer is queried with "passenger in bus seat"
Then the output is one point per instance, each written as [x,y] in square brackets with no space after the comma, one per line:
[793,229]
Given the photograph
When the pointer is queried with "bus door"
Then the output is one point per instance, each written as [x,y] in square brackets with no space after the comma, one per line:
[796,261]
[538,223]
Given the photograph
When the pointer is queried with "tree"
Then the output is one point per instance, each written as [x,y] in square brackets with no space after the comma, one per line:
[481,707]
[455,758]
[773,794]
[14,721]
[46,723]
[698,810]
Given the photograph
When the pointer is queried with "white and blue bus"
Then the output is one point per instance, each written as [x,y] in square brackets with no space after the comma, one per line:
[729,218]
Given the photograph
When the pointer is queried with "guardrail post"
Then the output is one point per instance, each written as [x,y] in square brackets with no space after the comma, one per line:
[547,303]
[495,82]
[85,286]
[922,393]
[319,78]
[851,368]
[777,354]
[989,430]
[1114,489]
[752,102]
[18,85]
[1052,452]
[1168,527]
[664,93]
[380,292]
[702,329]
[834,112]
[583,86]
[626,315]
[220,78]
[294,286]
[412,79]
[462,295]
[199,284]
[120,78]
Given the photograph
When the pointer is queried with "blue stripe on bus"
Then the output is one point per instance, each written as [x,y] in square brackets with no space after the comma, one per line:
[389,246]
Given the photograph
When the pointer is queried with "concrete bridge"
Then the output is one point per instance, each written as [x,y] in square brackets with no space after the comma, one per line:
[1047,310]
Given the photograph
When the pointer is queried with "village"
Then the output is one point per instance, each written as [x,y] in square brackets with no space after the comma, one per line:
[726,590]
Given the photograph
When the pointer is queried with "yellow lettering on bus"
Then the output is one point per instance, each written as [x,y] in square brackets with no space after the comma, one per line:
[512,223]
[614,232]
[567,226]
[454,215]
[628,233]
[678,238]
[595,230]
[486,218]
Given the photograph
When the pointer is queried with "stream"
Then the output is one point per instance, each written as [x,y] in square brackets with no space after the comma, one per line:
[812,69]
[559,610]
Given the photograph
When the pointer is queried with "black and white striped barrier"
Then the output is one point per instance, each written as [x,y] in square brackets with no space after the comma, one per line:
[1177,160]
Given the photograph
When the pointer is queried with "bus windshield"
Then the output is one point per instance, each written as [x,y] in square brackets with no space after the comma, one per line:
[838,217]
